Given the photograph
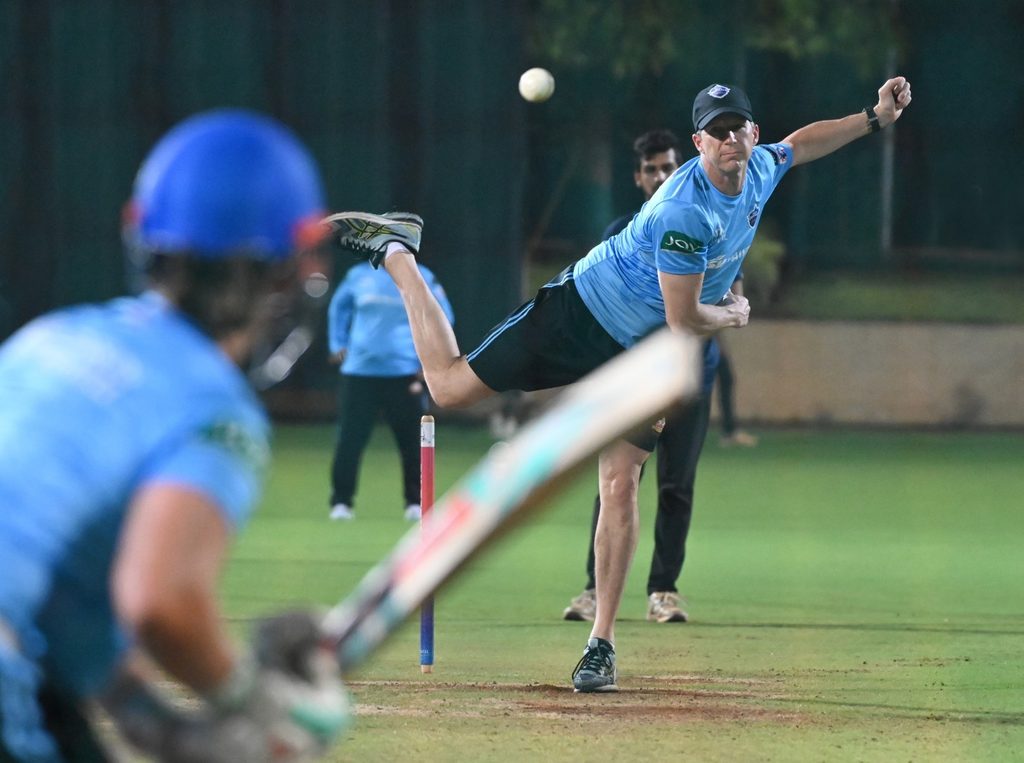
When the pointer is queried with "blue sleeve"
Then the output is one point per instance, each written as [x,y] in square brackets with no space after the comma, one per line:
[681,235]
[339,316]
[775,160]
[225,459]
[439,293]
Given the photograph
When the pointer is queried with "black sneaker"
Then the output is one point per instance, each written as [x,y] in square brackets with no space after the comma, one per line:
[596,669]
[367,235]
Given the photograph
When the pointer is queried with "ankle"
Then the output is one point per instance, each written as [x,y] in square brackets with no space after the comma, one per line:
[396,247]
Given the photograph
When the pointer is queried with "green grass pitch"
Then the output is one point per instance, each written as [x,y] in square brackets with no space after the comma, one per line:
[855,596]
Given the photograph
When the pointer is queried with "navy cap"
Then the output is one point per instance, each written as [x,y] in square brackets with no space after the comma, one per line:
[719,99]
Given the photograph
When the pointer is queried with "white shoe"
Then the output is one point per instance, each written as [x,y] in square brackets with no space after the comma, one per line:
[665,607]
[583,607]
[342,511]
[412,512]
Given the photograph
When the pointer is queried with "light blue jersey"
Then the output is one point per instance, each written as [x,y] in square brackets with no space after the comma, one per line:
[687,227]
[95,403]
[366,317]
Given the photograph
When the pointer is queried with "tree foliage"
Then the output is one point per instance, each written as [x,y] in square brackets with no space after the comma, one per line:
[624,38]
[862,31]
[628,38]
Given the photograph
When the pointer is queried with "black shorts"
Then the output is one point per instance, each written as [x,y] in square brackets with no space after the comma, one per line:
[550,341]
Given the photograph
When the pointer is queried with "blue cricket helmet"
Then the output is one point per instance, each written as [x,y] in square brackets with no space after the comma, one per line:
[226,183]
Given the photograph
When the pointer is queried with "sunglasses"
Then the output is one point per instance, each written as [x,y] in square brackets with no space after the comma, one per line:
[721,131]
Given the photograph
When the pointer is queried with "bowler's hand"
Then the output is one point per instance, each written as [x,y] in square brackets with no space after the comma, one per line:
[893,97]
[738,307]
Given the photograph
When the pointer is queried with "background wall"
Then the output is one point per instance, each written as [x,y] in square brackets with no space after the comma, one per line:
[890,374]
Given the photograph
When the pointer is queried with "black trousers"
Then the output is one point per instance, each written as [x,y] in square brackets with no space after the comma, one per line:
[402,400]
[678,451]
[726,392]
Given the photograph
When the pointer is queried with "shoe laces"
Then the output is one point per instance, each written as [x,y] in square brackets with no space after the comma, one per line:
[595,659]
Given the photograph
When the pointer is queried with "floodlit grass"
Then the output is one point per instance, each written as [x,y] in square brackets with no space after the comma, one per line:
[855,596]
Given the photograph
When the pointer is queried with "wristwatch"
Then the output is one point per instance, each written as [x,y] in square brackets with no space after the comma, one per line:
[872,119]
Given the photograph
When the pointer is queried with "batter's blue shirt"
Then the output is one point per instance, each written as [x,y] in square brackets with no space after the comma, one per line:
[366,317]
[687,227]
[95,403]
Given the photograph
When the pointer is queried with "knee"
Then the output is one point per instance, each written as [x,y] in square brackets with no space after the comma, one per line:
[456,388]
[618,494]
[445,396]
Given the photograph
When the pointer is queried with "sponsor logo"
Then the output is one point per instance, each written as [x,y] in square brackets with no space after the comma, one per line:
[674,241]
[752,217]
[718,91]
[239,442]
[724,259]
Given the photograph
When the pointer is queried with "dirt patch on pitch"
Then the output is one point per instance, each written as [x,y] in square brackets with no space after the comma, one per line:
[644,700]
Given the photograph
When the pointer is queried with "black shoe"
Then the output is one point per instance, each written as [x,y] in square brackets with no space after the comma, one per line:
[596,669]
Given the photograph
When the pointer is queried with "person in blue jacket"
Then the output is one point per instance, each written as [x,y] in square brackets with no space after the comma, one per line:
[369,339]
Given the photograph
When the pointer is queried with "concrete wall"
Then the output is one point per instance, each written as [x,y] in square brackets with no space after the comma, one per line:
[808,373]
[879,373]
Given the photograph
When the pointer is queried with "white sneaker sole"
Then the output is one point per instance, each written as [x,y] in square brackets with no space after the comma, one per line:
[410,219]
[598,690]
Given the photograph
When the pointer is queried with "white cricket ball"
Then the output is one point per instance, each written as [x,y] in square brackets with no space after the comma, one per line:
[536,85]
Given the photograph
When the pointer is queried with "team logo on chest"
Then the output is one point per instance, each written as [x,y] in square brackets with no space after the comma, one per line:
[754,214]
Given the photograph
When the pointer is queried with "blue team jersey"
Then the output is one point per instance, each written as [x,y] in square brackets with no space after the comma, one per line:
[366,317]
[687,227]
[95,403]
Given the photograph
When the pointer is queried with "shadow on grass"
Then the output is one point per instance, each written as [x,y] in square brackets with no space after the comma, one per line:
[882,627]
[909,712]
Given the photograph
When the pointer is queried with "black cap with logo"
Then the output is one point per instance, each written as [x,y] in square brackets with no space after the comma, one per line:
[719,99]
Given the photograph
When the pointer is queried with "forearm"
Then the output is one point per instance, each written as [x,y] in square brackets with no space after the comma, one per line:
[185,636]
[705,320]
[822,138]
[819,139]
[685,313]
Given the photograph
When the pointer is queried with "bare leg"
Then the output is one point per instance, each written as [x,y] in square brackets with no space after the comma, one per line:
[617,528]
[452,383]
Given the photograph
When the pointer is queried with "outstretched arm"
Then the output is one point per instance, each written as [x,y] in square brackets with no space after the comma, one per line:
[819,139]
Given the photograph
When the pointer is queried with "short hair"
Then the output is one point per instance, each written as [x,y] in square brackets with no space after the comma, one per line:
[655,142]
